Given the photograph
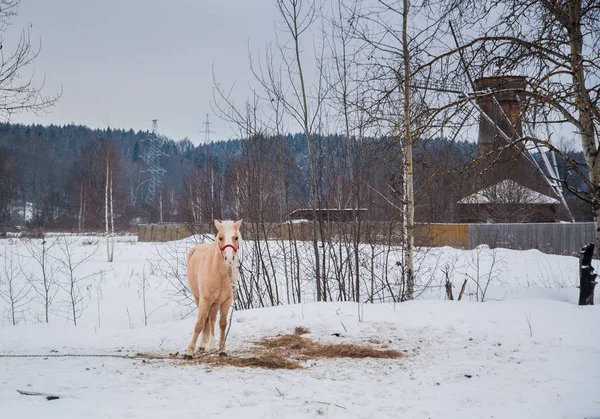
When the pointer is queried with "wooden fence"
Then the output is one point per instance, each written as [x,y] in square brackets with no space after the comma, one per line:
[555,238]
[162,232]
[437,235]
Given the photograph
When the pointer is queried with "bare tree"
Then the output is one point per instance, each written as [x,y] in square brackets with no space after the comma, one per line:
[484,267]
[143,282]
[395,104]
[73,282]
[170,264]
[14,290]
[18,94]
[7,189]
[203,195]
[284,80]
[46,285]
[346,93]
[109,217]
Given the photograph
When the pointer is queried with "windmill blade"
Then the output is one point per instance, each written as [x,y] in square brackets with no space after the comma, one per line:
[552,172]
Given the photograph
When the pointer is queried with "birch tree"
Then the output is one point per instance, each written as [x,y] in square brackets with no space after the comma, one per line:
[396,102]
[408,165]
[108,204]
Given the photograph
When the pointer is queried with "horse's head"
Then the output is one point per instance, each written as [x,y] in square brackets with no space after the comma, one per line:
[228,240]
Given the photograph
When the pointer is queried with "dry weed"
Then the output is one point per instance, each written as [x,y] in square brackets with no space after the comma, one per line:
[266,360]
[287,351]
[311,349]
[300,330]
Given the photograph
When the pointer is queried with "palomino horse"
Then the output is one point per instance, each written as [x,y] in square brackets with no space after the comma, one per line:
[211,285]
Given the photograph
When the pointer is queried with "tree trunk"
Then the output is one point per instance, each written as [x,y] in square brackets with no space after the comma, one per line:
[311,154]
[462,290]
[106,206]
[81,206]
[160,207]
[112,219]
[410,204]
[449,295]
[587,276]
[583,104]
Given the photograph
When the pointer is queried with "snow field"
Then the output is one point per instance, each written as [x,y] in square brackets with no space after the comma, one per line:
[526,352]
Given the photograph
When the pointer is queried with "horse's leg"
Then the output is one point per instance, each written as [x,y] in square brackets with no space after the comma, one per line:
[205,333]
[224,312]
[202,314]
[211,345]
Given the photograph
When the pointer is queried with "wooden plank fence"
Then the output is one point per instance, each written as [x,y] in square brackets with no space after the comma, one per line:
[438,235]
[554,238]
[162,232]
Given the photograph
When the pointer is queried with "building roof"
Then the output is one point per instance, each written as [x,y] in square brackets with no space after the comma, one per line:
[333,214]
[508,192]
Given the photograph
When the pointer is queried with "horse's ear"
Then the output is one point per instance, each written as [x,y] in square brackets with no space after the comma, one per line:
[237,224]
[218,225]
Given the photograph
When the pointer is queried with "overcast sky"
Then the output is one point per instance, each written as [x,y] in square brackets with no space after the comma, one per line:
[122,63]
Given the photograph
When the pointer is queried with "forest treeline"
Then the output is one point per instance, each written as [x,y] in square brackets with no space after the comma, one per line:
[53,177]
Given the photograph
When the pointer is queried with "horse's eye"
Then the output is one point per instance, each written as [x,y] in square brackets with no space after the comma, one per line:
[220,238]
[235,238]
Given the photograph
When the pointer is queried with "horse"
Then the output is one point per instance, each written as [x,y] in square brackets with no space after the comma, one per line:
[209,279]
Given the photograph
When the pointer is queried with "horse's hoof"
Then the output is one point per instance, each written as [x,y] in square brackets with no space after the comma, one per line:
[223,353]
[186,356]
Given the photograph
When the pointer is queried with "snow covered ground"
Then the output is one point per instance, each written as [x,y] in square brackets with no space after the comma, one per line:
[527,352]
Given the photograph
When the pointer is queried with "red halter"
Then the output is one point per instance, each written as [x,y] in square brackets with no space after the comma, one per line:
[225,247]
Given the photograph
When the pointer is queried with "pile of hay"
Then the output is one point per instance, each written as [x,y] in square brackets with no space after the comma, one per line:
[287,351]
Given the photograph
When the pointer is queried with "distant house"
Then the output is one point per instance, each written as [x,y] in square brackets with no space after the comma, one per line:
[327,214]
[509,201]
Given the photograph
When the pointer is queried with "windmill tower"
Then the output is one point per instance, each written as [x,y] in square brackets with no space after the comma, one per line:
[509,178]
[153,158]
[505,168]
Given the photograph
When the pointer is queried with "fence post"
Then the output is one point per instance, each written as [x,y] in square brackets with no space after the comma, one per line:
[587,276]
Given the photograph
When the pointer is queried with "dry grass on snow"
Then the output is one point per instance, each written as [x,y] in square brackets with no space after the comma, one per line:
[289,350]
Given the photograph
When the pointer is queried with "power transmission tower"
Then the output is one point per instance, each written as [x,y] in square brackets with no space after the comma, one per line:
[207,130]
[153,159]
[210,166]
